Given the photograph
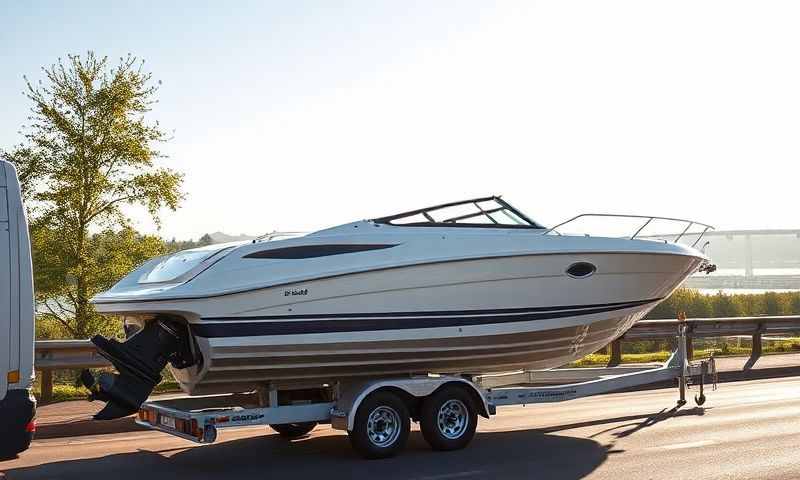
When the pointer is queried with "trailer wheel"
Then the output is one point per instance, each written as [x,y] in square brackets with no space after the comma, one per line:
[381,426]
[294,430]
[448,419]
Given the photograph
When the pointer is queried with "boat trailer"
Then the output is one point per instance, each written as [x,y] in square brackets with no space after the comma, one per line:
[377,412]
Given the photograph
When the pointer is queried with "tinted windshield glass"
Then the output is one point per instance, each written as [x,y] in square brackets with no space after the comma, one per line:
[171,267]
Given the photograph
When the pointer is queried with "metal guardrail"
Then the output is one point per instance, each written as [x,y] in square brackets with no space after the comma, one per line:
[79,354]
[754,327]
[52,355]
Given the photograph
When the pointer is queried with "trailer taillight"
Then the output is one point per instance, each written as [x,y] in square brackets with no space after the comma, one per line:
[147,415]
[196,431]
[31,426]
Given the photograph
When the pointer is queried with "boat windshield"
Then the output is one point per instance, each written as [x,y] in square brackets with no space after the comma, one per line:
[479,212]
[171,267]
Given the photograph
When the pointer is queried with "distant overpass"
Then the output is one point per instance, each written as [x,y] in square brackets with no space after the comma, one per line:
[774,253]
[747,233]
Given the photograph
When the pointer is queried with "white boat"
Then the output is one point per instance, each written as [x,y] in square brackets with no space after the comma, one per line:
[469,287]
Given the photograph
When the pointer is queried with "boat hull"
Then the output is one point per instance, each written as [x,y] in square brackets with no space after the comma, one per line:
[464,317]
[237,368]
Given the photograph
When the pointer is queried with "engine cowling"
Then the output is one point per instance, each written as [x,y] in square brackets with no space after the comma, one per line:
[139,362]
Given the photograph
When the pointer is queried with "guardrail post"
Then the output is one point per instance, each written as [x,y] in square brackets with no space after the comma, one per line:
[46,395]
[755,351]
[616,353]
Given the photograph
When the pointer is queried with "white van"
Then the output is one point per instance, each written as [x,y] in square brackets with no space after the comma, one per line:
[17,405]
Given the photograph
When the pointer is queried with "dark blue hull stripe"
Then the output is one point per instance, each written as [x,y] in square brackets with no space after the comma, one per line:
[304,324]
[428,313]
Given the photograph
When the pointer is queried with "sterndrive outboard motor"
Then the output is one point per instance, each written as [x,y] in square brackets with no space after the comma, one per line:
[139,361]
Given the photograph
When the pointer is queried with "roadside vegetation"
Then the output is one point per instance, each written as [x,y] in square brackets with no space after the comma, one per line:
[703,348]
[699,305]
[63,392]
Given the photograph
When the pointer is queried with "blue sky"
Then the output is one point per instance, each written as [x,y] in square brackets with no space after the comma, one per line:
[296,115]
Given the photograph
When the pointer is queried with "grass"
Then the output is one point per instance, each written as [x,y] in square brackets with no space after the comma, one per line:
[63,392]
[599,359]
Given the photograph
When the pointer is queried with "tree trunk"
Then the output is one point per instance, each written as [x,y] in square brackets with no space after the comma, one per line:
[81,288]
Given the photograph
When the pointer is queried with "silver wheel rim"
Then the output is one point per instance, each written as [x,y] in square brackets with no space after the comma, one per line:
[453,419]
[383,426]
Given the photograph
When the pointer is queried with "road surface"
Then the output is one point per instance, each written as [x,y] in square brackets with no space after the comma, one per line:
[748,429]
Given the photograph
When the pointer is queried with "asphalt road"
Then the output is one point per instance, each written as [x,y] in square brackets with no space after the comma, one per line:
[747,429]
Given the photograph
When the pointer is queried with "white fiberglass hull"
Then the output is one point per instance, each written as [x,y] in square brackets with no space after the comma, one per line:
[473,316]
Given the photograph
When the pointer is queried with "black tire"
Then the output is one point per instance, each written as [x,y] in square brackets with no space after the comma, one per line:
[294,430]
[17,411]
[381,426]
[448,418]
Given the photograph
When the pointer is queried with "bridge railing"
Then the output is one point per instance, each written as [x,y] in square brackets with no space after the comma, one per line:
[53,355]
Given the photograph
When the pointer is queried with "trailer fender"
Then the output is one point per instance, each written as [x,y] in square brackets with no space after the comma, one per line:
[344,411]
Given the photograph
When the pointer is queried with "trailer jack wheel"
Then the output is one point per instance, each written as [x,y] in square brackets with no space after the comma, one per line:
[381,426]
[294,430]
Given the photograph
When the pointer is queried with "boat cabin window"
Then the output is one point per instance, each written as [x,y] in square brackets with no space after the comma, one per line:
[480,212]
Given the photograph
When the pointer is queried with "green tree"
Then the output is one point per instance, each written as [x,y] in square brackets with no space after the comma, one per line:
[772,304]
[725,305]
[112,254]
[205,240]
[87,152]
[692,302]
[794,304]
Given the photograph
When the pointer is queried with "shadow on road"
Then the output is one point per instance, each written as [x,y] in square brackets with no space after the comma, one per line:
[726,377]
[759,374]
[87,426]
[657,418]
[491,455]
[648,420]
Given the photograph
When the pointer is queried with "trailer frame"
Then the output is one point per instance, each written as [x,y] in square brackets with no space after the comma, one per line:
[199,418]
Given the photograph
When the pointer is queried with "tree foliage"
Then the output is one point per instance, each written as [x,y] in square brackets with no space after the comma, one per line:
[205,240]
[112,254]
[699,305]
[88,151]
